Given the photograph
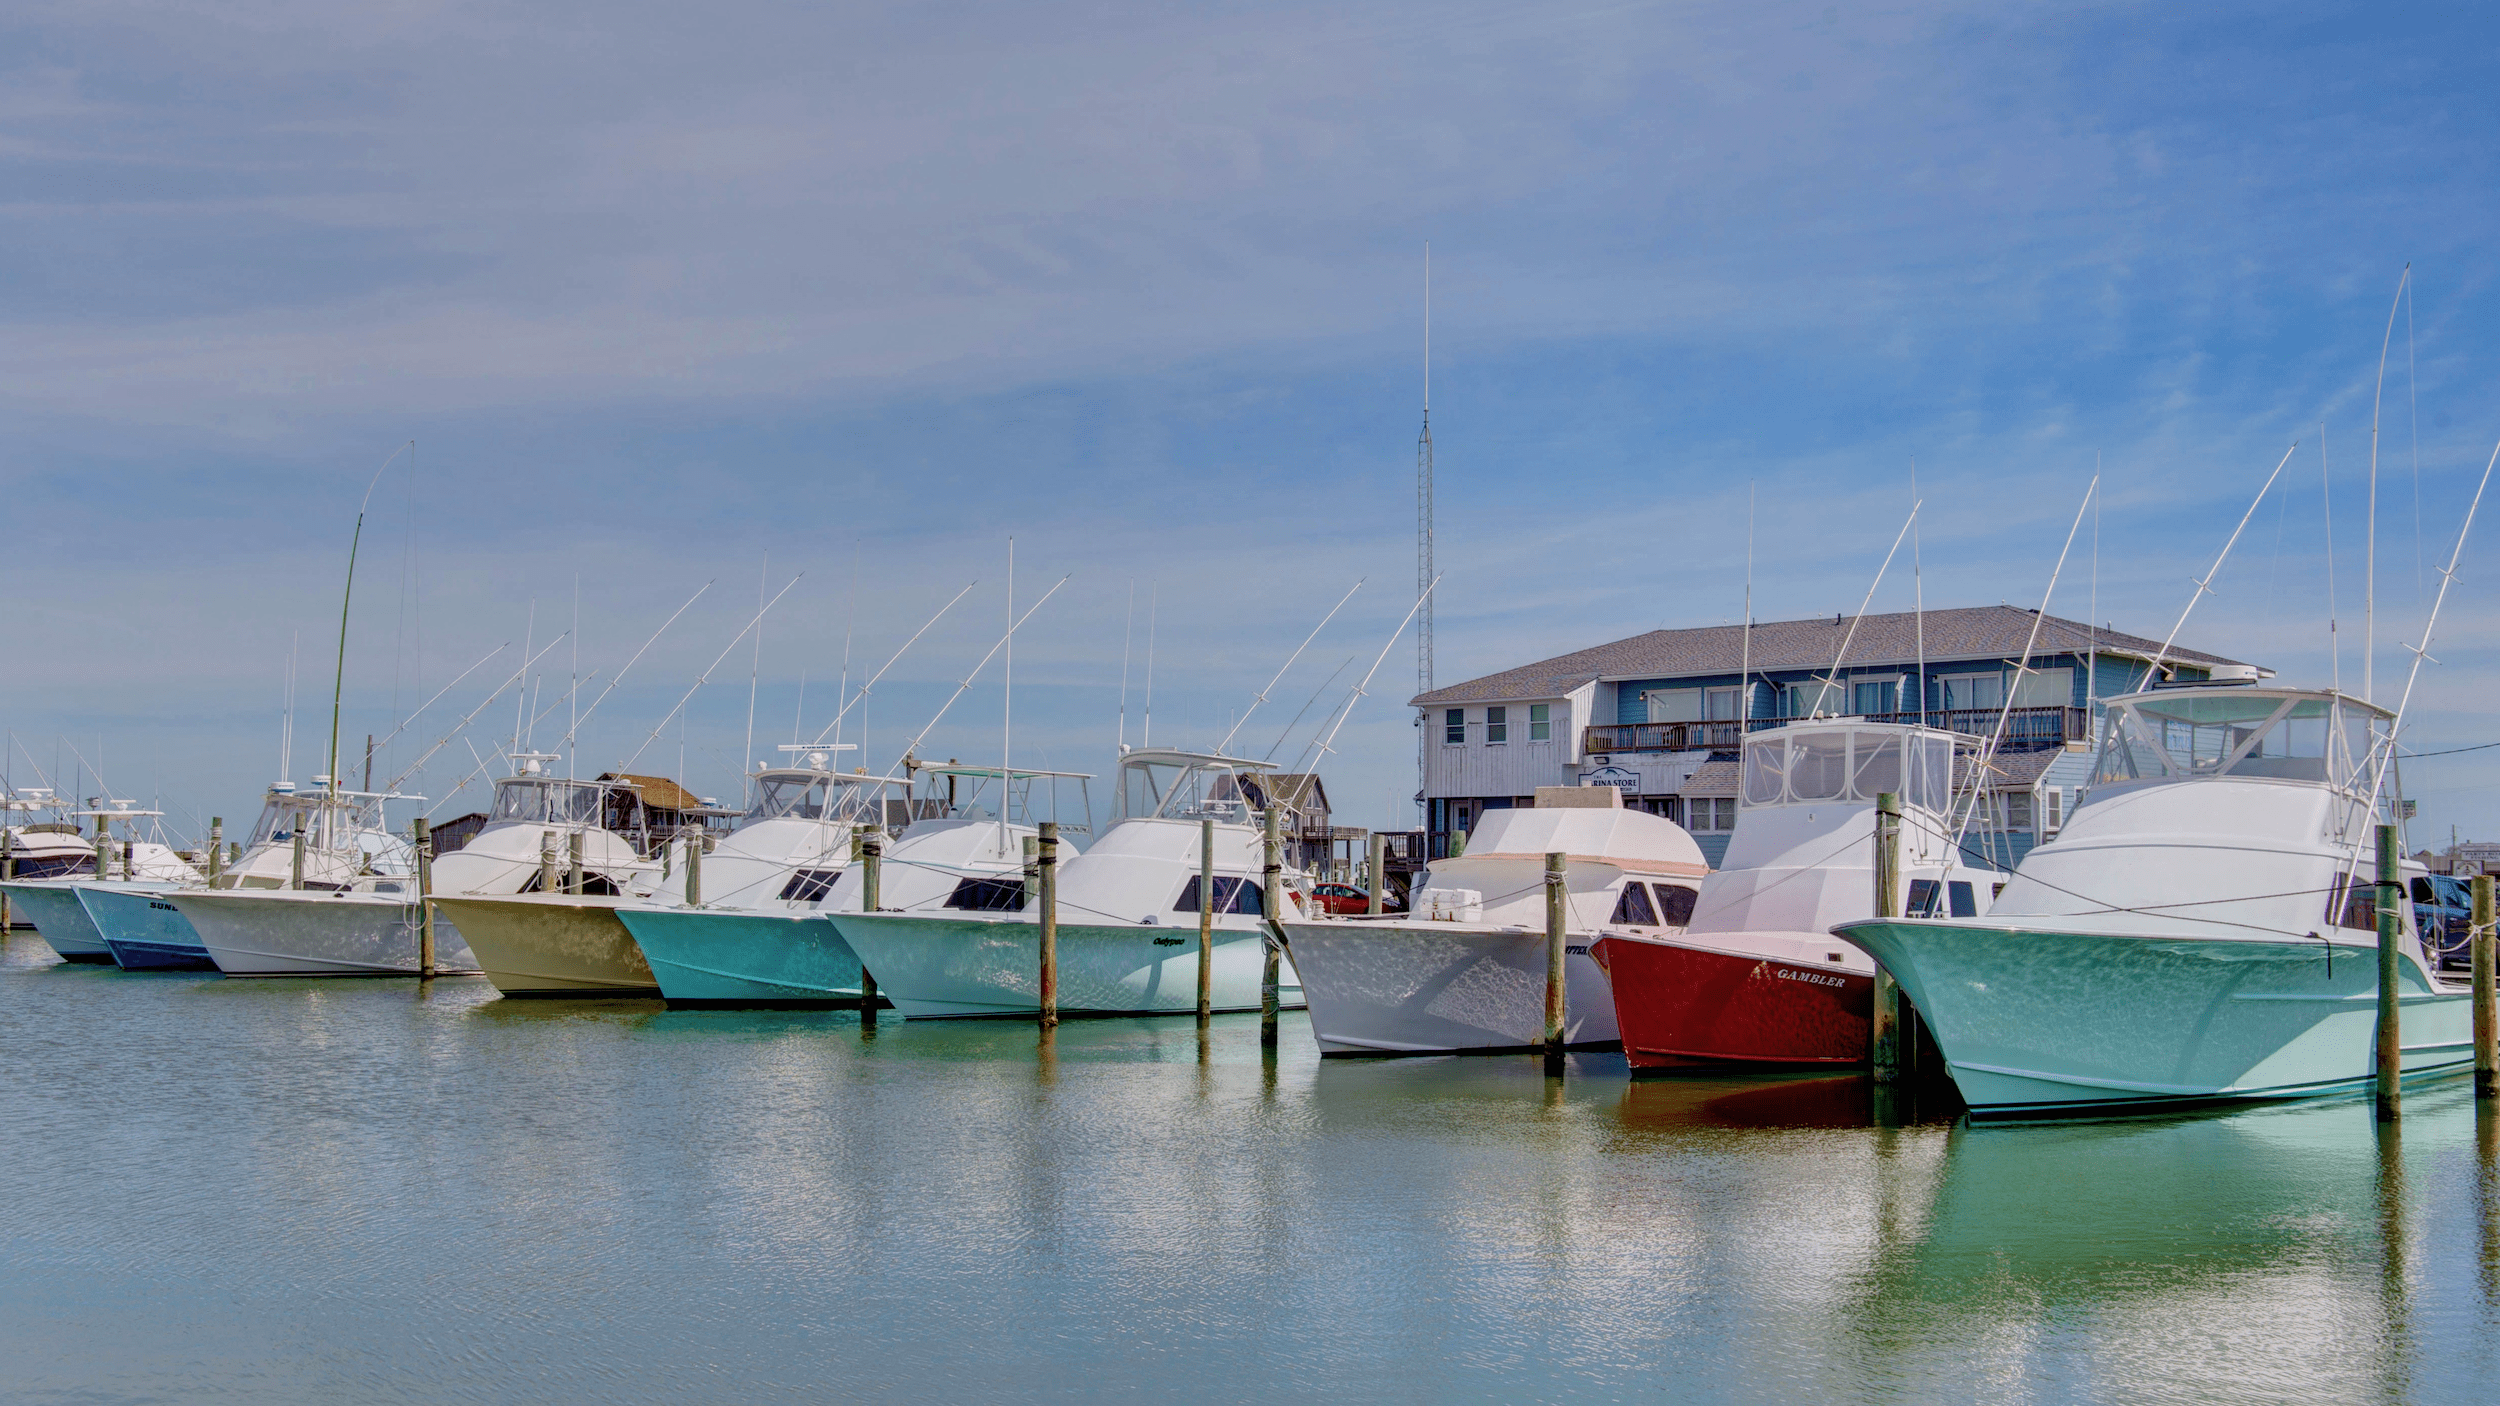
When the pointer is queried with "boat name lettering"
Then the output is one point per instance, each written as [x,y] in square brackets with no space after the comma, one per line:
[1576,951]
[1811,978]
[163,907]
[1169,941]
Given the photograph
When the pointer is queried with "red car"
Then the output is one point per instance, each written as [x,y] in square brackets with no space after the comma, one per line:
[1337,900]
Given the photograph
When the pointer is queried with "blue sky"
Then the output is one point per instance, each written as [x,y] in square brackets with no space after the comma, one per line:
[658,291]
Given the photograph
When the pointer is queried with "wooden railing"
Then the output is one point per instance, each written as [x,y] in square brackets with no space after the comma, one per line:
[2024,727]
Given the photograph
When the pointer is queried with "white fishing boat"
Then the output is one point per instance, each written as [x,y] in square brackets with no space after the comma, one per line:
[345,907]
[1128,908]
[137,860]
[1754,976]
[2202,929]
[758,936]
[533,931]
[1464,967]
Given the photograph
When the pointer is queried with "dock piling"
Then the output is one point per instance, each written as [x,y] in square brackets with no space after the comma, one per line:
[1883,1030]
[1272,905]
[694,871]
[573,846]
[1379,873]
[871,842]
[1557,864]
[1206,919]
[2486,1017]
[216,846]
[1047,883]
[549,880]
[2390,1046]
[295,869]
[425,894]
[8,869]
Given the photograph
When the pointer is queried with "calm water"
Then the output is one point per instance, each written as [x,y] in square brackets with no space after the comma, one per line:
[344,1191]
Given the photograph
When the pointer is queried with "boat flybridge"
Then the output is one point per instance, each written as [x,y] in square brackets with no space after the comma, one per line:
[2202,929]
[763,940]
[1128,906]
[1464,968]
[1755,976]
[42,849]
[138,859]
[324,888]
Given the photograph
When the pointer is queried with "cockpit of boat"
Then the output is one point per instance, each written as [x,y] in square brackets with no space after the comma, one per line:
[1798,765]
[549,800]
[2274,734]
[801,794]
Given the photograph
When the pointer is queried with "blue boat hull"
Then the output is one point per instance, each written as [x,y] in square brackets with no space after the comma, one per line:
[144,930]
[711,957]
[59,919]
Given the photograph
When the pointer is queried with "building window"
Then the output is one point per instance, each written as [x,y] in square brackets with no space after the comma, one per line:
[1540,722]
[1718,705]
[1673,705]
[1868,699]
[1454,727]
[1497,724]
[1800,700]
[1709,813]
[2057,810]
[2018,810]
[1970,691]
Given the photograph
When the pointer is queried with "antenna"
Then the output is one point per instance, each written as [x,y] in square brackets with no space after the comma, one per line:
[2204,587]
[2091,625]
[1918,602]
[2326,495]
[286,719]
[755,668]
[529,642]
[2022,668]
[1012,627]
[1280,673]
[339,685]
[705,676]
[1154,594]
[1127,633]
[1833,679]
[573,695]
[842,689]
[1425,575]
[1744,664]
[2369,556]
[1007,707]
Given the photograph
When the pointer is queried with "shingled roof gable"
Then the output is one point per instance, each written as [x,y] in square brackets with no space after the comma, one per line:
[1882,640]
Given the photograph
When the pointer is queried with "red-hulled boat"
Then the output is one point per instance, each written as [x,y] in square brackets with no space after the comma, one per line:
[1756,978]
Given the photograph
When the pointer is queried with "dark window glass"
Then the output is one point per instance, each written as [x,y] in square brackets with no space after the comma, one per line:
[1231,896]
[1633,907]
[1675,904]
[1923,896]
[810,885]
[988,895]
[2360,903]
[1497,724]
[1454,726]
[1965,903]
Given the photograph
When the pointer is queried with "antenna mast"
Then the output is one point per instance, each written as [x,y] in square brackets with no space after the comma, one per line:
[1425,575]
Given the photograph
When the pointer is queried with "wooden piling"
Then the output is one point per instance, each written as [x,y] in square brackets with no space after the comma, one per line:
[694,870]
[1047,884]
[573,847]
[425,894]
[216,846]
[1272,907]
[1556,866]
[549,878]
[2486,1016]
[1883,1031]
[871,841]
[1206,919]
[1379,873]
[130,859]
[8,868]
[2391,896]
[295,870]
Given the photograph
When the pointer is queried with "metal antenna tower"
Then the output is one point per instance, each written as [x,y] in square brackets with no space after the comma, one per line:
[1425,574]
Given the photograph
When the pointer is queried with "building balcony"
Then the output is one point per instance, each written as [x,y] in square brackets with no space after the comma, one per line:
[2024,727]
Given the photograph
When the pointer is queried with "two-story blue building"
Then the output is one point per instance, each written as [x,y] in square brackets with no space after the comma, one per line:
[1658,715]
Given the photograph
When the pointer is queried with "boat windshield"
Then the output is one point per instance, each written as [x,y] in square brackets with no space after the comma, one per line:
[281,818]
[806,795]
[1174,790]
[543,800]
[1847,764]
[2206,734]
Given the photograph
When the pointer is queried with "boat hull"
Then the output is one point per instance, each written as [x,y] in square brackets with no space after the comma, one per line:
[552,945]
[291,932]
[711,957]
[2043,1023]
[60,919]
[144,930]
[1438,988]
[1682,1006]
[934,968]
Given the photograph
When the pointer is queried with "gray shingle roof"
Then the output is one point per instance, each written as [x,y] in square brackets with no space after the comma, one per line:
[1965,633]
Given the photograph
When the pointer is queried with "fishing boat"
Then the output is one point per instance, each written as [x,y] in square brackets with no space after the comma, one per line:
[2202,929]
[323,889]
[138,861]
[1128,909]
[535,929]
[757,935]
[1755,976]
[1463,969]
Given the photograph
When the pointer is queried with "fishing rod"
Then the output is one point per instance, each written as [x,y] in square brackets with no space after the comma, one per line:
[445,740]
[2204,587]
[338,684]
[2022,668]
[1832,680]
[914,745]
[1289,662]
[890,663]
[1323,747]
[576,727]
[438,693]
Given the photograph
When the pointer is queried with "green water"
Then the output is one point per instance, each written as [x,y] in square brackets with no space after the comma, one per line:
[362,1191]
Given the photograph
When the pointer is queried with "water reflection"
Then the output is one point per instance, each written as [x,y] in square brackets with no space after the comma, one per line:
[418,1190]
